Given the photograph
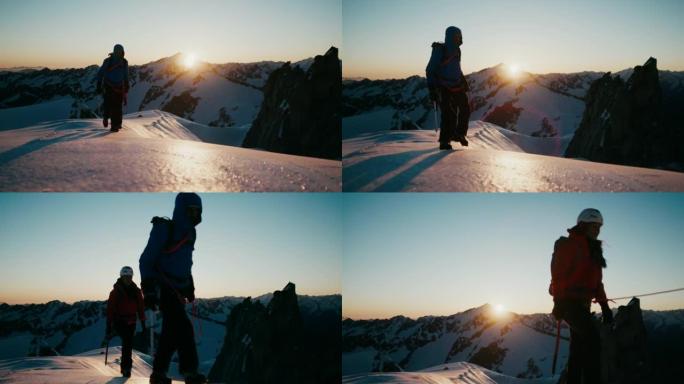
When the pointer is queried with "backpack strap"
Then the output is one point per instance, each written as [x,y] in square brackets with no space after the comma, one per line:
[170,247]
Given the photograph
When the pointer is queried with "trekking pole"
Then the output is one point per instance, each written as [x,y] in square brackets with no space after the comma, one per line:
[152,321]
[555,353]
[106,352]
[434,108]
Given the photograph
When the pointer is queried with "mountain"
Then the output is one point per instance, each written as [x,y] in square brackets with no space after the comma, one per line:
[453,373]
[497,160]
[273,343]
[87,367]
[58,328]
[225,96]
[155,151]
[519,346]
[301,110]
[537,105]
[632,122]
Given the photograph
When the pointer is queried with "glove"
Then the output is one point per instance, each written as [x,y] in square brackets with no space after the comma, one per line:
[557,312]
[606,313]
[150,295]
[191,291]
[434,95]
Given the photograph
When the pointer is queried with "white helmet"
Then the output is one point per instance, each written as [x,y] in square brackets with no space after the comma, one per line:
[590,215]
[126,271]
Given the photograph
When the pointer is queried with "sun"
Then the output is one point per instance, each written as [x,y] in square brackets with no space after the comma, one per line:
[189,60]
[513,70]
[499,309]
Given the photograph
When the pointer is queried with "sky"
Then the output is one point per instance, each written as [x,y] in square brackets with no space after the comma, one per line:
[71,246]
[392,38]
[77,33]
[417,254]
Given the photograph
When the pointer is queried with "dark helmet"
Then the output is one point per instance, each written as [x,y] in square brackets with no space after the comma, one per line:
[119,50]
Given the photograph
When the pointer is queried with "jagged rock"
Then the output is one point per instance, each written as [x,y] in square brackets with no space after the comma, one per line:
[623,122]
[272,344]
[624,348]
[301,111]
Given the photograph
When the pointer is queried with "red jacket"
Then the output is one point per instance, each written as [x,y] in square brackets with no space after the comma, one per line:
[574,274]
[125,303]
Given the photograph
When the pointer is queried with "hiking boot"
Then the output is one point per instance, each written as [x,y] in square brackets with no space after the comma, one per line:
[105,122]
[126,372]
[445,146]
[195,378]
[462,140]
[115,129]
[159,378]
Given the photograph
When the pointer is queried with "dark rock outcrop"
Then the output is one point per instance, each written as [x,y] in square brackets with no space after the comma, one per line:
[301,111]
[625,123]
[273,344]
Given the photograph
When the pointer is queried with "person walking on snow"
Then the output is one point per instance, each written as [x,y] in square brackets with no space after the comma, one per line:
[113,78]
[124,304]
[165,269]
[448,88]
[576,280]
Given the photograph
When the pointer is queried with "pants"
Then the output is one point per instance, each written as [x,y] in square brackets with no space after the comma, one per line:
[126,332]
[455,115]
[113,106]
[584,362]
[177,335]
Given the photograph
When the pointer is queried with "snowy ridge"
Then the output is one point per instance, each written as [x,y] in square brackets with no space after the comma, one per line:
[87,367]
[155,151]
[453,373]
[496,161]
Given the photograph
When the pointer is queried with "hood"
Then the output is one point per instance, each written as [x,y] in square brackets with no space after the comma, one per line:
[449,38]
[180,217]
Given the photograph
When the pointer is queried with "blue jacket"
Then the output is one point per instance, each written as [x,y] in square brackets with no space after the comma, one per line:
[156,261]
[114,72]
[444,67]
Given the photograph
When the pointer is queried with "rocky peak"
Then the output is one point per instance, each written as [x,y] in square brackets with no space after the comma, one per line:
[625,123]
[300,113]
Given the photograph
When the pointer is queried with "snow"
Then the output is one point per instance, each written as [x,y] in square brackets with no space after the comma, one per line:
[494,162]
[13,118]
[88,368]
[453,373]
[155,151]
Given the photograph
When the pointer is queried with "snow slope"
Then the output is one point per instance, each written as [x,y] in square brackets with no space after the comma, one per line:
[155,151]
[453,373]
[88,368]
[495,161]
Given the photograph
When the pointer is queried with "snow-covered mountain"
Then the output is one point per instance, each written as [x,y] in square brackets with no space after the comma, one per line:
[537,105]
[497,160]
[87,367]
[219,95]
[516,345]
[155,151]
[58,328]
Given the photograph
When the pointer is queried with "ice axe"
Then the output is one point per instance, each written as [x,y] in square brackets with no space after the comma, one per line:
[434,108]
[555,353]
[106,352]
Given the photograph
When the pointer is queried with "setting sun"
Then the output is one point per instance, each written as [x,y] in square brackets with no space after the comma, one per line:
[499,309]
[513,70]
[189,60]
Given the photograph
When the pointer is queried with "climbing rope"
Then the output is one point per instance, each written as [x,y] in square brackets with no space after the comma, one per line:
[647,294]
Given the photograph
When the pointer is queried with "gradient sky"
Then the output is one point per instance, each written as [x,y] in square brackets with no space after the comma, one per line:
[437,254]
[77,33]
[392,38]
[71,246]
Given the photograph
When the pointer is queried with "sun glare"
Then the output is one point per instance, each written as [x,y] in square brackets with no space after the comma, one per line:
[513,70]
[499,309]
[189,60]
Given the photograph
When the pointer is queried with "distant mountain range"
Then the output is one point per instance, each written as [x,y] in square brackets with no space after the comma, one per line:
[516,345]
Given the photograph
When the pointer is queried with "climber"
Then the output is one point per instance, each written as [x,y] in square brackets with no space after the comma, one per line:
[165,270]
[448,87]
[124,304]
[113,78]
[576,280]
